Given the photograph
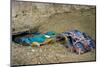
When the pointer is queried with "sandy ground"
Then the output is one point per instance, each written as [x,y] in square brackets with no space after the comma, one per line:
[52,53]
[55,53]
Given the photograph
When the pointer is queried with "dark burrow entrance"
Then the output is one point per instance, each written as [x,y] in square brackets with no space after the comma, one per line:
[18,35]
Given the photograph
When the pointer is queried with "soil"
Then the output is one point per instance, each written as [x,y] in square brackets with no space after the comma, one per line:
[52,53]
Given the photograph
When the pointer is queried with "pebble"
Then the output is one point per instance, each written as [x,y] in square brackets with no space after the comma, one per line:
[33,50]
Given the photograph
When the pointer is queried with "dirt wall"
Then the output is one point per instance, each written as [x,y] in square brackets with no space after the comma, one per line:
[27,15]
